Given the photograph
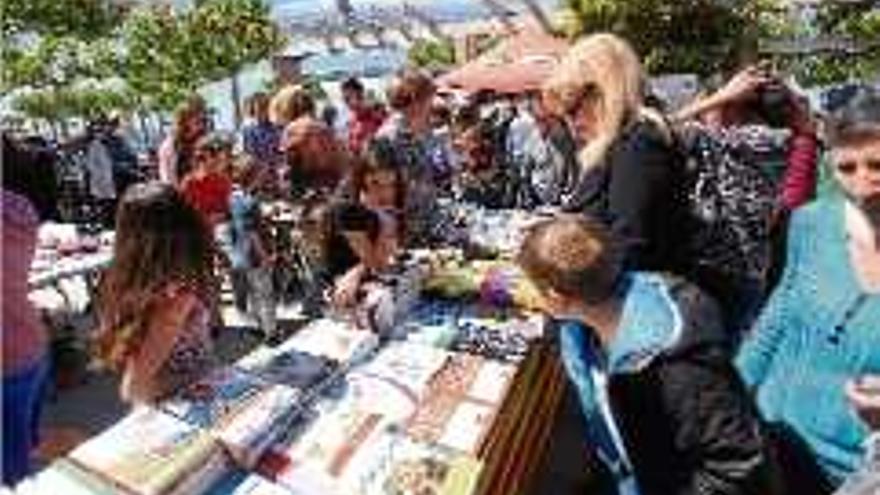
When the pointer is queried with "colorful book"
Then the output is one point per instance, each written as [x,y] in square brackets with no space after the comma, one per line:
[408,365]
[245,483]
[152,453]
[259,423]
[328,457]
[292,368]
[500,337]
[461,403]
[404,467]
[379,395]
[333,340]
[213,398]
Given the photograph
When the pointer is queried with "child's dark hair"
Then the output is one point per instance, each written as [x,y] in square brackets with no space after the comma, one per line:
[353,217]
[354,85]
[379,155]
[161,242]
[29,171]
[214,142]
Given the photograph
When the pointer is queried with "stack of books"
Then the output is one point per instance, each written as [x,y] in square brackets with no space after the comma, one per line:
[152,453]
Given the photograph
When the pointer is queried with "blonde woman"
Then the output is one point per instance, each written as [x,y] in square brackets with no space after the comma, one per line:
[629,169]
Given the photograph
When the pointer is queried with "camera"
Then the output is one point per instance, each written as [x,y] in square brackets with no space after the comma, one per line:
[774,105]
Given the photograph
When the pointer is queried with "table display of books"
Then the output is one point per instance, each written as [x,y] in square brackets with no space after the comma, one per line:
[458,400]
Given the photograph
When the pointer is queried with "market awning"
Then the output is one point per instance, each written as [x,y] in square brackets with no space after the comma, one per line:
[519,63]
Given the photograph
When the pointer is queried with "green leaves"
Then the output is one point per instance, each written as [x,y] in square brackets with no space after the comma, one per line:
[54,104]
[852,27]
[170,55]
[431,55]
[84,19]
[708,36]
[693,36]
[160,56]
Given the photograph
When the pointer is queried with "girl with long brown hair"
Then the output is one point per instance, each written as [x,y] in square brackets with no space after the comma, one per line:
[176,153]
[155,300]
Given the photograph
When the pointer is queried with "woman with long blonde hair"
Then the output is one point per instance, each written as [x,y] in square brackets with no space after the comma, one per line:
[630,170]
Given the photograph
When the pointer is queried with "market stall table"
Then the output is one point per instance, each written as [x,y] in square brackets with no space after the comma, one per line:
[454,391]
[372,415]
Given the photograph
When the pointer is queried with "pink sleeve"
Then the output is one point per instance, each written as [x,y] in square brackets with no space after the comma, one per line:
[799,180]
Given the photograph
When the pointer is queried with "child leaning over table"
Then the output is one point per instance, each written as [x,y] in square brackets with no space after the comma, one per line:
[251,252]
[158,295]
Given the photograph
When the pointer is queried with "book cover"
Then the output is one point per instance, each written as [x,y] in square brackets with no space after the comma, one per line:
[462,402]
[326,459]
[292,368]
[63,477]
[260,422]
[333,340]
[213,398]
[409,365]
[245,483]
[405,467]
[378,395]
[151,453]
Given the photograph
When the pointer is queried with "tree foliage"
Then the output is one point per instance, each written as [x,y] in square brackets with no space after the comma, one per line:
[711,36]
[171,55]
[52,46]
[57,104]
[855,24]
[84,19]
[693,36]
[431,55]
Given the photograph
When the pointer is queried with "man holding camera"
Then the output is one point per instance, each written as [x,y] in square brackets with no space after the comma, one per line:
[746,109]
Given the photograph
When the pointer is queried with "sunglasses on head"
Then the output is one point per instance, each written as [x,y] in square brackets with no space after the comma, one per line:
[586,94]
[850,167]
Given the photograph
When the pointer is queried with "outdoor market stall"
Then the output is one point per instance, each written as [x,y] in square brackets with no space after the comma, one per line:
[454,391]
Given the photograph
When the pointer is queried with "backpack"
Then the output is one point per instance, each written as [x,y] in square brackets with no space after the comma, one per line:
[730,204]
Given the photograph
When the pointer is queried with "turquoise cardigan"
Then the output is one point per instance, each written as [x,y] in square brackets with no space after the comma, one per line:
[819,329]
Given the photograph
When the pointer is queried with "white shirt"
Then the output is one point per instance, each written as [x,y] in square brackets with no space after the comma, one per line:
[100,166]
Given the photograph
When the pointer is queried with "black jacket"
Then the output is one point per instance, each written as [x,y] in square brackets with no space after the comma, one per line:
[636,192]
[686,420]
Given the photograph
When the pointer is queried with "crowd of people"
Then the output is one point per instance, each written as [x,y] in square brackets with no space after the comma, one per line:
[718,318]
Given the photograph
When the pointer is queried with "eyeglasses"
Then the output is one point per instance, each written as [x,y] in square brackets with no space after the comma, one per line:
[850,167]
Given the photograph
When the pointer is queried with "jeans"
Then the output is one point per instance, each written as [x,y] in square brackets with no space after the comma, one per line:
[23,393]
